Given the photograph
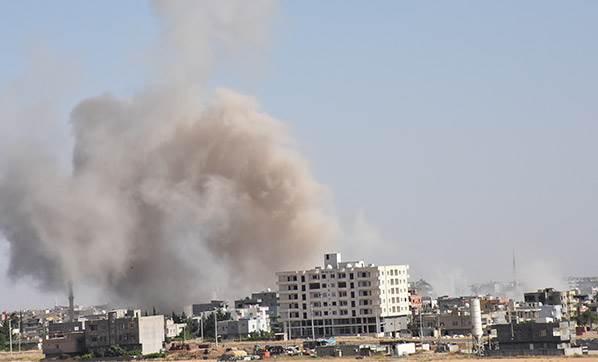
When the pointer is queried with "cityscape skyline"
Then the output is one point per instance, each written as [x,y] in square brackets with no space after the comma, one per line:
[460,131]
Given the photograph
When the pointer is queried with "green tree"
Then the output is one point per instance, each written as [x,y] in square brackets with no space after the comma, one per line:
[208,323]
[4,331]
[587,318]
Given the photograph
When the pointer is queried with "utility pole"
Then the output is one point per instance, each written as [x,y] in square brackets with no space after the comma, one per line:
[10,332]
[421,327]
[216,326]
[20,318]
[201,325]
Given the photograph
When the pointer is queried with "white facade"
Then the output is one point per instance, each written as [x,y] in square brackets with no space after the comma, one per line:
[252,319]
[172,329]
[151,334]
[342,298]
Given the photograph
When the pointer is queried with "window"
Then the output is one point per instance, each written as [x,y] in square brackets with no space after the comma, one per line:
[343,303]
[342,275]
[342,294]
[343,312]
[342,284]
[314,285]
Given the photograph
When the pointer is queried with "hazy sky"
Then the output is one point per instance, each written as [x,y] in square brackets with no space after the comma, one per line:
[448,133]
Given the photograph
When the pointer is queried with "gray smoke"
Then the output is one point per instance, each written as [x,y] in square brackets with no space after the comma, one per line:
[169,199]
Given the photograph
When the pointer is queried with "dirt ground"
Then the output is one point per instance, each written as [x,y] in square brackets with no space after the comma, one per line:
[22,356]
[37,356]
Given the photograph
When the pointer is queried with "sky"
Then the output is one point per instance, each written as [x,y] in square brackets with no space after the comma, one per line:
[448,133]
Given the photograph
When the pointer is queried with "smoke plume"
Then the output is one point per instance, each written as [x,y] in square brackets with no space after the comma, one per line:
[169,198]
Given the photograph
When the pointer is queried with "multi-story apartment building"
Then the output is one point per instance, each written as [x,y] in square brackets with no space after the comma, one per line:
[343,298]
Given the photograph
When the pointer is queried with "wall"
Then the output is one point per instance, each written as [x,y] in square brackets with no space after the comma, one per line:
[151,334]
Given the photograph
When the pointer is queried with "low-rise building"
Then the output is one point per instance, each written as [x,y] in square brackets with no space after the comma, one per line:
[245,321]
[201,308]
[266,298]
[536,312]
[124,328]
[172,329]
[128,330]
[520,339]
[415,301]
[550,296]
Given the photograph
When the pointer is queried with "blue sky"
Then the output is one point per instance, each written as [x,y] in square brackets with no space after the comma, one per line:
[460,129]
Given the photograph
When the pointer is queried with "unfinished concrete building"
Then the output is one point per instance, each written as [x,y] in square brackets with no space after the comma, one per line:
[343,298]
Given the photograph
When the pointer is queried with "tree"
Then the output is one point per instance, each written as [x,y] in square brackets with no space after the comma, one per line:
[587,318]
[5,331]
[154,311]
[208,323]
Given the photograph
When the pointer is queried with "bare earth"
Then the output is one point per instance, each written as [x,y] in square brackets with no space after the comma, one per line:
[37,356]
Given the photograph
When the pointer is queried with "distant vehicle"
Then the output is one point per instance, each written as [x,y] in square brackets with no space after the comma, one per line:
[275,350]
[312,344]
[293,351]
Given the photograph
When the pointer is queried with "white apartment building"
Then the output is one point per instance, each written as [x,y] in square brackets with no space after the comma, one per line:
[343,298]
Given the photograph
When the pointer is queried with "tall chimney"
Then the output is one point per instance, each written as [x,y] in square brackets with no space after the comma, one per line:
[71,315]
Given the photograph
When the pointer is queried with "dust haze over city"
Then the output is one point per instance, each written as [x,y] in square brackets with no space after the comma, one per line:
[162,153]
